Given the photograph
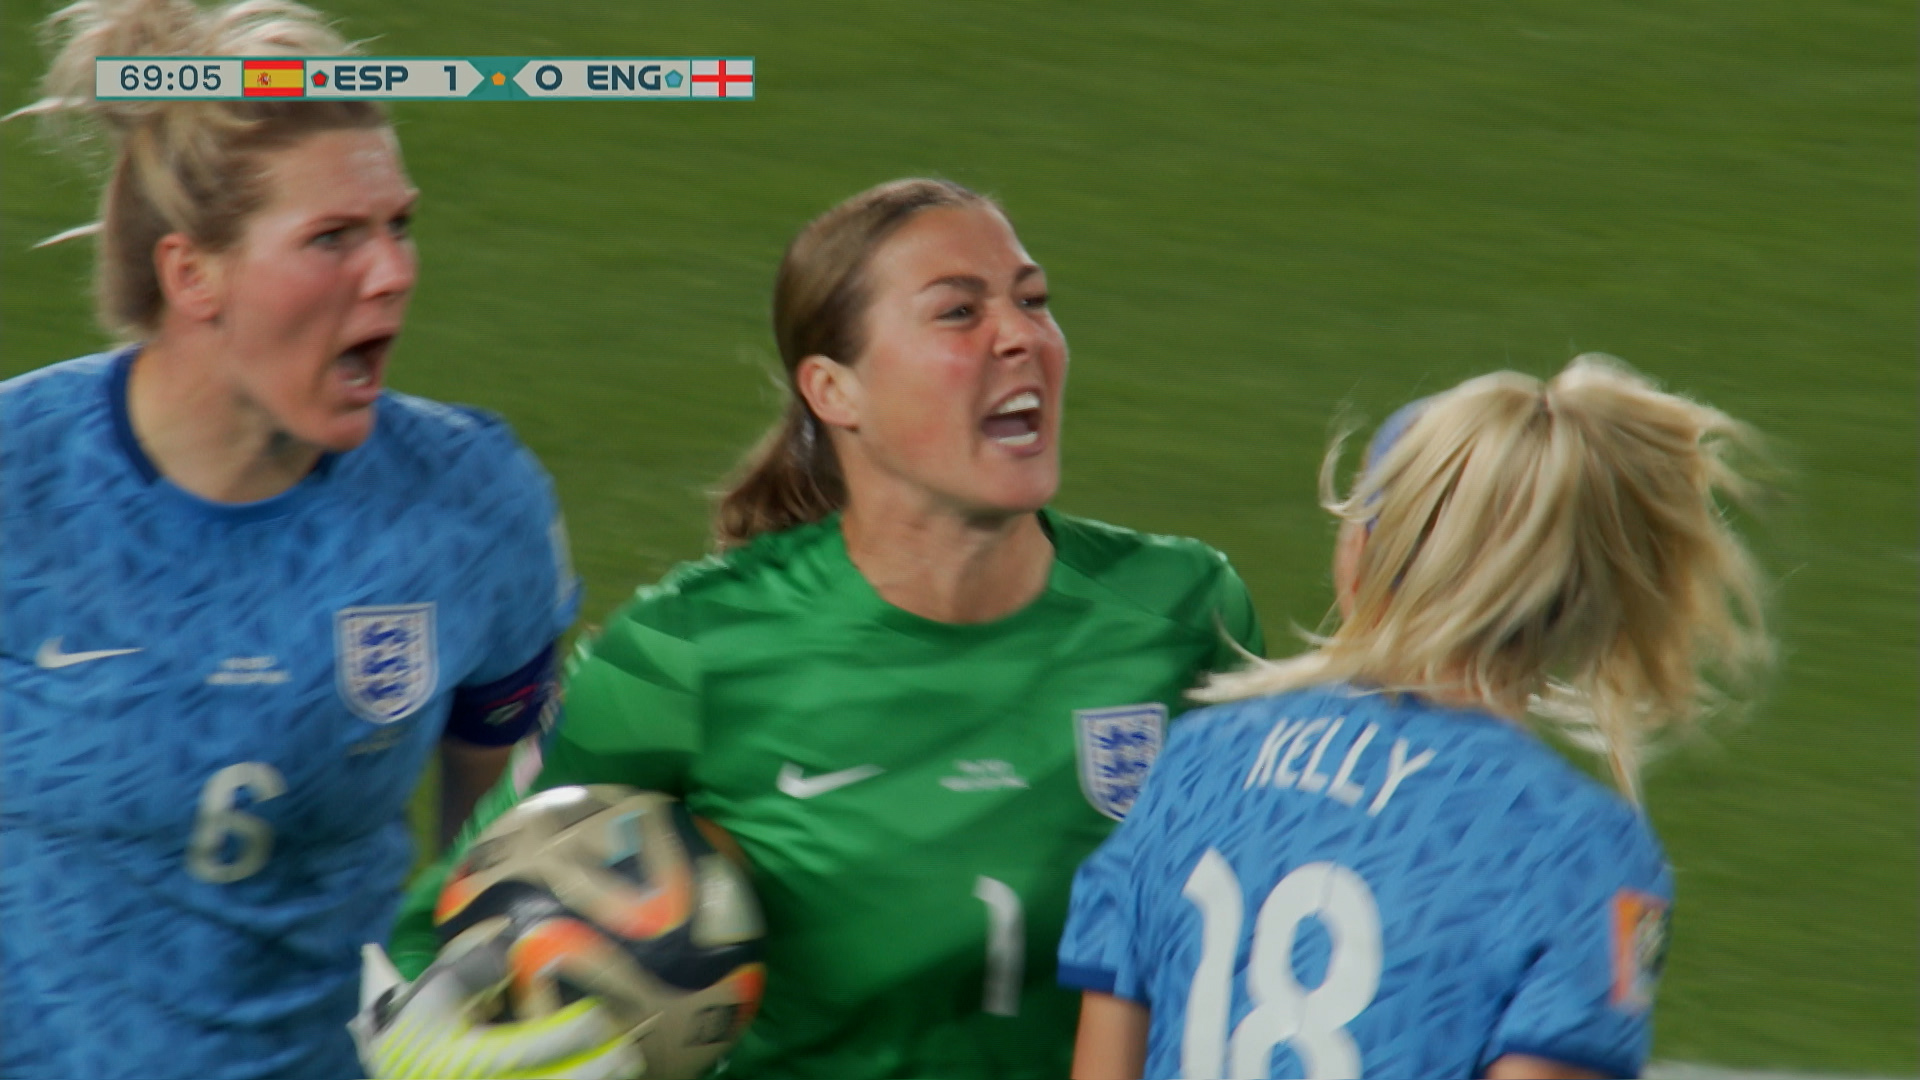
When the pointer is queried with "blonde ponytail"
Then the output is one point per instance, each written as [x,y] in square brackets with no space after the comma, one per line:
[1559,548]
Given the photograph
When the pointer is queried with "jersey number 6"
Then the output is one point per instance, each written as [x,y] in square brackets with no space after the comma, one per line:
[1313,1022]
[210,857]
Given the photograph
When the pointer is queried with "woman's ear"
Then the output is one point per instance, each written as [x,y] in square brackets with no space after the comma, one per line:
[831,389]
[1346,567]
[191,278]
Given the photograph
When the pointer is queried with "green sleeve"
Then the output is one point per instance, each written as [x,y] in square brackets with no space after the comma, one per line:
[632,716]
[1233,607]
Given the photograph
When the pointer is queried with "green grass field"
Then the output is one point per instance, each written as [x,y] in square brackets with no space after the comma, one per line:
[1252,222]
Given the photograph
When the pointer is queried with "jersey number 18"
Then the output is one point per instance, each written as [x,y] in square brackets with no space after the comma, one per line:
[1312,1022]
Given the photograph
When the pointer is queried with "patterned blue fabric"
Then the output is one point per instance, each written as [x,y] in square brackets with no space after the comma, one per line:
[215,714]
[1394,889]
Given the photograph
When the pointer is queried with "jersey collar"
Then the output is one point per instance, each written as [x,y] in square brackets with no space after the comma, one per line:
[1060,595]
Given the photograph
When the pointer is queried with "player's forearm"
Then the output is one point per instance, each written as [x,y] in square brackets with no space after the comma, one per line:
[466,772]
[1112,1043]
[414,943]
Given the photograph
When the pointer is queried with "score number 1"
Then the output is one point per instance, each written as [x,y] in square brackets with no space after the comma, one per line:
[421,78]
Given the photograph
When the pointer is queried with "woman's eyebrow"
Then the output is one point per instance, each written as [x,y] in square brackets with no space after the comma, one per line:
[976,283]
[969,282]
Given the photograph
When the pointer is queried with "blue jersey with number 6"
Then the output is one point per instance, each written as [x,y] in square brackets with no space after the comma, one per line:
[1334,884]
[214,716]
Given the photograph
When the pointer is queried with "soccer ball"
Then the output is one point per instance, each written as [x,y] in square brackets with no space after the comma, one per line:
[609,892]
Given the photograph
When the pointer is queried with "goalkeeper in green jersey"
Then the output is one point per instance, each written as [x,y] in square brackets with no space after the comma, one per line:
[913,695]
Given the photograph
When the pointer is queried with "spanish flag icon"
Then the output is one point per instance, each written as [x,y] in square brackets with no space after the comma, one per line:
[274,78]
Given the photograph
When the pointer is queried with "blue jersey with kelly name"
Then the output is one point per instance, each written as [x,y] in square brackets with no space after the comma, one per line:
[1325,883]
[214,716]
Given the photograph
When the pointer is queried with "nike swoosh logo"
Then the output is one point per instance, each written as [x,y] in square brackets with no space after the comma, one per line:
[806,787]
[52,659]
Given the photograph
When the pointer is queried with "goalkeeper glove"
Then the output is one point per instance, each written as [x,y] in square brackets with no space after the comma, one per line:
[425,1029]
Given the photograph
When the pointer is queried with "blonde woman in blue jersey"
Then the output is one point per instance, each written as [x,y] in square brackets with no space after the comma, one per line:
[1361,862]
[248,591]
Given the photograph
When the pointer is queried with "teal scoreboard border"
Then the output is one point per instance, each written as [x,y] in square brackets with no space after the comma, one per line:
[428,78]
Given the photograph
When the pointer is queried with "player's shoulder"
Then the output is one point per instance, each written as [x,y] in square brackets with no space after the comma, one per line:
[1596,817]
[437,436]
[775,573]
[453,457]
[1177,577]
[1551,779]
[41,403]
[1560,806]
[55,434]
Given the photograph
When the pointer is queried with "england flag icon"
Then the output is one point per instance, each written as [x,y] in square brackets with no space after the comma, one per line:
[723,79]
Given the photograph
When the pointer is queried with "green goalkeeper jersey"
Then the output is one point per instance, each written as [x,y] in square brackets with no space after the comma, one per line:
[913,795]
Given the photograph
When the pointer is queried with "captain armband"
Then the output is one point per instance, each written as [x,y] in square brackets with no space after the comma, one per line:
[503,712]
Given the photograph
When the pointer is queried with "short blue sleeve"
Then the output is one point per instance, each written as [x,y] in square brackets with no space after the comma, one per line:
[1096,946]
[1595,930]
[528,577]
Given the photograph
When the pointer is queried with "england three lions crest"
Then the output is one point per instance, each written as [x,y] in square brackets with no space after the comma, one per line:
[386,659]
[1117,747]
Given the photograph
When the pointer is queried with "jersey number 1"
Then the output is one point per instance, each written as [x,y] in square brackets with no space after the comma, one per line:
[1313,1022]
[1006,946]
[209,855]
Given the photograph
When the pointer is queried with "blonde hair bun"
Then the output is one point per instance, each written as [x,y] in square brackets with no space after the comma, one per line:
[190,167]
[78,33]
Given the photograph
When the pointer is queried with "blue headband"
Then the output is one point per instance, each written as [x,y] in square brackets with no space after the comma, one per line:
[1383,441]
[1390,432]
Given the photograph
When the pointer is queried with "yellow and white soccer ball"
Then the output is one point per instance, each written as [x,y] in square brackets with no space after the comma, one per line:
[612,893]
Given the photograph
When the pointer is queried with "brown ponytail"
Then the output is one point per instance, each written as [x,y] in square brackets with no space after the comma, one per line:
[791,476]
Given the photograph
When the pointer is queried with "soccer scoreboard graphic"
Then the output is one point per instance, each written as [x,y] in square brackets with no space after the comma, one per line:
[428,78]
